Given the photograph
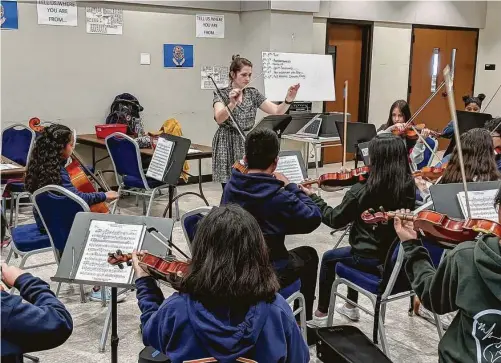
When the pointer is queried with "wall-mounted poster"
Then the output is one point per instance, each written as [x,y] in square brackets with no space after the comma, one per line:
[178,56]
[220,74]
[55,12]
[104,21]
[8,15]
[209,26]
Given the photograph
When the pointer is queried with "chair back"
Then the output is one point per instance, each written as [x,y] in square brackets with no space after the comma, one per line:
[126,157]
[17,143]
[189,222]
[57,208]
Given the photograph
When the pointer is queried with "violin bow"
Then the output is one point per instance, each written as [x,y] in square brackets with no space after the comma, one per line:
[345,120]
[494,95]
[452,109]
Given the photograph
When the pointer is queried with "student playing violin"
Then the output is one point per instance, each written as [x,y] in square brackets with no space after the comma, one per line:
[468,280]
[494,128]
[400,113]
[227,308]
[390,184]
[471,104]
[47,166]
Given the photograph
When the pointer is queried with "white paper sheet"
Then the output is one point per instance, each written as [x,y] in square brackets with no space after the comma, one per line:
[160,159]
[481,204]
[289,166]
[105,237]
[104,21]
[7,166]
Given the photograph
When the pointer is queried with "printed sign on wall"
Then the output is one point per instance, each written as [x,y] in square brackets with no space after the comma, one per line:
[52,12]
[218,73]
[210,26]
[178,56]
[104,21]
[8,15]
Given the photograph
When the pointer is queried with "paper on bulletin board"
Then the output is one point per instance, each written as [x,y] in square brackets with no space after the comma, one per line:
[9,17]
[219,73]
[104,21]
[52,12]
[210,26]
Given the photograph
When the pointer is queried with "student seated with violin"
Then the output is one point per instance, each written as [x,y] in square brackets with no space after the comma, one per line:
[40,323]
[50,154]
[390,184]
[227,308]
[280,208]
[400,113]
[494,128]
[471,104]
[468,280]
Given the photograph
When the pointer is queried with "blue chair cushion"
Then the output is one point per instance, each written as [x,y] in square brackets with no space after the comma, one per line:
[27,237]
[136,182]
[370,282]
[15,187]
[190,225]
[291,289]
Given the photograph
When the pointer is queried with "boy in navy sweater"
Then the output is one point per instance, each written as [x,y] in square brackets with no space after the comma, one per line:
[43,323]
[227,309]
[280,208]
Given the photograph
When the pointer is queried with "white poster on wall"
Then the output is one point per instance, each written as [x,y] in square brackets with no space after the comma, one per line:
[104,21]
[219,73]
[210,26]
[52,12]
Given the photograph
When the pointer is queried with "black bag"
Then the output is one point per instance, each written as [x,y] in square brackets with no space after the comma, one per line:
[125,110]
[149,355]
[347,344]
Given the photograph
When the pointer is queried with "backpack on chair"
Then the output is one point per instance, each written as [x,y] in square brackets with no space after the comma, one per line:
[347,344]
[125,110]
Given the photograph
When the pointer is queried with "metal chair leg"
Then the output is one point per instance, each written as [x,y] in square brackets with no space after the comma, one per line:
[152,196]
[58,289]
[82,294]
[438,324]
[23,261]
[11,252]
[382,336]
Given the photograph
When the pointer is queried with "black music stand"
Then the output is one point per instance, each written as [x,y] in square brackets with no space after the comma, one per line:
[75,246]
[471,120]
[444,196]
[277,123]
[358,132]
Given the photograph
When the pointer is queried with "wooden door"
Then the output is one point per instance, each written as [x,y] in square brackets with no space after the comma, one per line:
[442,42]
[348,42]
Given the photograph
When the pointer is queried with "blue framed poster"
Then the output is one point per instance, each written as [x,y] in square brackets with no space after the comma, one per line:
[8,15]
[178,56]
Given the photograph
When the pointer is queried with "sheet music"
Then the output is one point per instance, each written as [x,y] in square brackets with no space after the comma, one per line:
[160,159]
[105,237]
[481,204]
[7,166]
[289,166]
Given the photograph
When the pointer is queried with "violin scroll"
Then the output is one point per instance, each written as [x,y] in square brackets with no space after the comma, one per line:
[118,259]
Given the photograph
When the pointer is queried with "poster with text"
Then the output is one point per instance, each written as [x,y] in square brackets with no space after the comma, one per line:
[51,12]
[104,21]
[178,56]
[220,74]
[210,26]
[8,16]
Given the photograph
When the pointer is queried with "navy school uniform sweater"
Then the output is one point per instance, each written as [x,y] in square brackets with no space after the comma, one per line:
[89,198]
[42,323]
[184,330]
[279,210]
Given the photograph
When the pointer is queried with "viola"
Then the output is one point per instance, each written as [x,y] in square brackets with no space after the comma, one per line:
[448,232]
[430,172]
[240,166]
[411,134]
[329,181]
[167,269]
[36,125]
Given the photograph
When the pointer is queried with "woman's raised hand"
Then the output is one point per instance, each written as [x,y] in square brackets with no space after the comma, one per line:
[292,92]
[236,96]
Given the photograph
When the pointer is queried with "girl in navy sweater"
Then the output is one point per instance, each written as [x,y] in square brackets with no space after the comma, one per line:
[227,308]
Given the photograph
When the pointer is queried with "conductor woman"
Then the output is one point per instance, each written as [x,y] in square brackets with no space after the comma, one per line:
[228,145]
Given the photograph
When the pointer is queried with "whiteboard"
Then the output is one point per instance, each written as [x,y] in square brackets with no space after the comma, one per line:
[313,71]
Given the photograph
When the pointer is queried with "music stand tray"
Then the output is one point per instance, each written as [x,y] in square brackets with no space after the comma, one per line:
[444,196]
[277,123]
[471,120]
[75,246]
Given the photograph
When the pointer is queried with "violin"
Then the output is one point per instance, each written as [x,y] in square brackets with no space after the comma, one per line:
[329,181]
[497,151]
[430,172]
[77,171]
[240,166]
[447,232]
[167,269]
[411,134]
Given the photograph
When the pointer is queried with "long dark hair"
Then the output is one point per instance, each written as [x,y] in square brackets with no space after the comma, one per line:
[403,106]
[478,158]
[230,262]
[390,183]
[46,157]
[237,63]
